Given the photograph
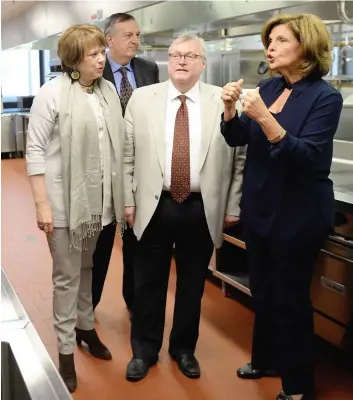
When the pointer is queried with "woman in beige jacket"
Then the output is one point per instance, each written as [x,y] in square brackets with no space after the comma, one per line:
[75,160]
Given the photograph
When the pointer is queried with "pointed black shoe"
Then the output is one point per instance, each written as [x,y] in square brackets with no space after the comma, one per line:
[95,346]
[248,372]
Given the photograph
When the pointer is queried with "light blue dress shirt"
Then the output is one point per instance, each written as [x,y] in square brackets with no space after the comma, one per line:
[118,76]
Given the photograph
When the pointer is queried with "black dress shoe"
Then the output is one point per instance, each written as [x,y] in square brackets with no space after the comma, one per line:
[307,396]
[248,372]
[137,369]
[95,346]
[188,365]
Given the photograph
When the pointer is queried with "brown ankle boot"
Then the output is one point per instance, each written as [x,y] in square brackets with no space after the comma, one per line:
[95,346]
[67,371]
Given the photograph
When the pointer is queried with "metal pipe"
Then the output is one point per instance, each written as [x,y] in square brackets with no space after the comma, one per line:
[342,12]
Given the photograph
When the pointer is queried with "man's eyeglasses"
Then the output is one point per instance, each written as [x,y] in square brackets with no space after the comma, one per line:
[176,57]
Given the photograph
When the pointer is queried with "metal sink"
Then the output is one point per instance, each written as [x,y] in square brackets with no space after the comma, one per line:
[13,386]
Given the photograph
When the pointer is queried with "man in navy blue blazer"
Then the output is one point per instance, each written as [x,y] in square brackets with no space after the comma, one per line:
[287,208]
[127,73]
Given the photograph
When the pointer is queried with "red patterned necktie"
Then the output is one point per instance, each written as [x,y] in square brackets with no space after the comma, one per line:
[125,89]
[180,179]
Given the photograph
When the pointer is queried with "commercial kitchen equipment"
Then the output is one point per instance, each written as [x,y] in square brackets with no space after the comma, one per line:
[332,285]
[8,137]
[27,371]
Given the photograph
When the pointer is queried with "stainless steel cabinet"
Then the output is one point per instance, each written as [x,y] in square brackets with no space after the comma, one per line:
[161,58]
[222,67]
[19,125]
[8,138]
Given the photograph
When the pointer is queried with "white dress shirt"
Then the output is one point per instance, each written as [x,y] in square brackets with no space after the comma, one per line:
[105,152]
[193,103]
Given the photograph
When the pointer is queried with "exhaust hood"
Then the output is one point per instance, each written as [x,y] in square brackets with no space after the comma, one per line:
[162,22]
[213,20]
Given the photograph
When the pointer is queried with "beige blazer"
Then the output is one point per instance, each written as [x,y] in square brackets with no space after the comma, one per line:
[221,167]
[43,155]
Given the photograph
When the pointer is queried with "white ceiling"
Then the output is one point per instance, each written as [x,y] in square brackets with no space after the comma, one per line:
[10,9]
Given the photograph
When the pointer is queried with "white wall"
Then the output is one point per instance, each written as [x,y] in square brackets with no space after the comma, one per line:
[51,17]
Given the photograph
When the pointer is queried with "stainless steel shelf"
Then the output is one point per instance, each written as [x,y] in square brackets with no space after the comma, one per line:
[339,78]
[233,240]
[238,280]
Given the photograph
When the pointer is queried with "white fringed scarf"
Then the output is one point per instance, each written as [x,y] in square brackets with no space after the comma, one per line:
[81,162]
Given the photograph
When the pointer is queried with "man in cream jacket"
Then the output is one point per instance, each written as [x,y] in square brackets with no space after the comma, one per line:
[182,187]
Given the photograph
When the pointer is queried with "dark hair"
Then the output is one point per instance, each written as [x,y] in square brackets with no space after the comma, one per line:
[113,19]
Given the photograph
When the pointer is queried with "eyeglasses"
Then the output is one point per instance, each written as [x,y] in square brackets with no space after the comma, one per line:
[176,57]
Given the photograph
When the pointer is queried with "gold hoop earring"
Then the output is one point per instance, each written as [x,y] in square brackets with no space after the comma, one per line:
[75,75]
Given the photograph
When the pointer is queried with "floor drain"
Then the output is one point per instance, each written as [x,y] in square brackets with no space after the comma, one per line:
[30,238]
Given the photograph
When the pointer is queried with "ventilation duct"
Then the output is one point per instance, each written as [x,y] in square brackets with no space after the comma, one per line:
[345,15]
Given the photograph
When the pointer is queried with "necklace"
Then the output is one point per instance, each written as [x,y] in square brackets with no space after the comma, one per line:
[88,89]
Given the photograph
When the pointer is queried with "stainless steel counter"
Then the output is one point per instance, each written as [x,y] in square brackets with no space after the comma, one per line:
[27,369]
[342,177]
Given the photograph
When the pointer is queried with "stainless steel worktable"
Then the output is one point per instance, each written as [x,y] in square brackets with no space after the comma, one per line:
[342,177]
[27,369]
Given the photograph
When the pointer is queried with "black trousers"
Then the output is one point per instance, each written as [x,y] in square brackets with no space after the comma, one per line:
[185,225]
[280,278]
[101,259]
[129,250]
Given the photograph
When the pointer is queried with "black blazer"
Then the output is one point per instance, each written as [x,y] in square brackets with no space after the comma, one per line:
[146,72]
[286,189]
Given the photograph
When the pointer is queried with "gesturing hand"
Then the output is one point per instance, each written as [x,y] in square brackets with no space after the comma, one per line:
[253,105]
[230,95]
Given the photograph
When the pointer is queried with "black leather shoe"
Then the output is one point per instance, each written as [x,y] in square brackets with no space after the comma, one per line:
[307,396]
[137,369]
[188,365]
[248,372]
[95,346]
[67,371]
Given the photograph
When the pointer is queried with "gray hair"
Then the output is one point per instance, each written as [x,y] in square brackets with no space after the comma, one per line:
[113,19]
[189,38]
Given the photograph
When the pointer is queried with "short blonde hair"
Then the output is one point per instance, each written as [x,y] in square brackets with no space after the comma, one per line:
[311,33]
[74,41]
[189,38]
